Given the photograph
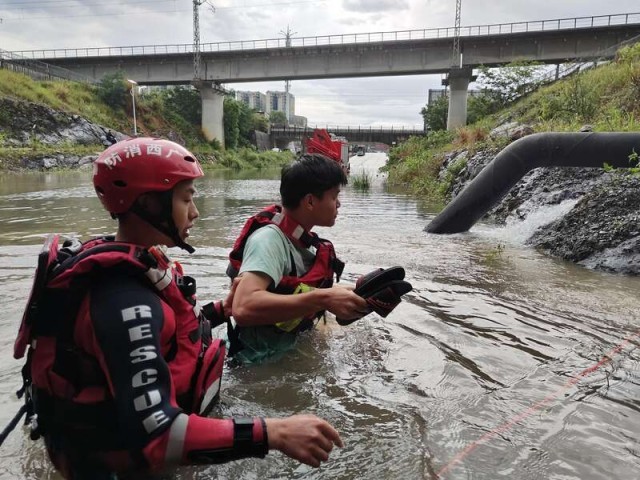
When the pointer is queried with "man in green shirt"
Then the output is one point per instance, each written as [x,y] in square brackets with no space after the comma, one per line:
[284,271]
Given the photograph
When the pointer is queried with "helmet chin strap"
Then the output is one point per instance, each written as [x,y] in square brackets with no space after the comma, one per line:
[163,222]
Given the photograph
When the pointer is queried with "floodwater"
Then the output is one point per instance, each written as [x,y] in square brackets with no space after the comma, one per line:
[502,363]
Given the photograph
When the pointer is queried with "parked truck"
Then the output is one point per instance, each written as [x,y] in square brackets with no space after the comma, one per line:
[327,144]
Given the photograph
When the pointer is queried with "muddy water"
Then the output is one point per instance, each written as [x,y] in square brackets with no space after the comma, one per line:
[488,370]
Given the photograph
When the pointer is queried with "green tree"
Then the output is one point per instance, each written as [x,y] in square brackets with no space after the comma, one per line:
[231,115]
[506,84]
[277,118]
[245,124]
[112,90]
[259,122]
[435,114]
[478,107]
[184,101]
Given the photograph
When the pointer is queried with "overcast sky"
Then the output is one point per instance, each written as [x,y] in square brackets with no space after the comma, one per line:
[47,24]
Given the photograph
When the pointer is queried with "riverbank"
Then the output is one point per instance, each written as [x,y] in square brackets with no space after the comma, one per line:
[48,125]
[37,137]
[583,215]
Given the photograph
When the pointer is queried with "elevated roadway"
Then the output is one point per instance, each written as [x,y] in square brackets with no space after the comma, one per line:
[408,52]
[280,136]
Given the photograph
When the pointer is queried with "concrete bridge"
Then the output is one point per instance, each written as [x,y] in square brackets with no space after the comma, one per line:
[280,136]
[355,55]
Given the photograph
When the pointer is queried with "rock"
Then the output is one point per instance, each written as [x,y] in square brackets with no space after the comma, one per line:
[601,230]
[511,130]
[24,123]
[503,130]
[520,131]
[88,159]
[49,162]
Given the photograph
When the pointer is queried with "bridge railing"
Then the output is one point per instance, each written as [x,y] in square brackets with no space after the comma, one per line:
[38,70]
[371,37]
[393,129]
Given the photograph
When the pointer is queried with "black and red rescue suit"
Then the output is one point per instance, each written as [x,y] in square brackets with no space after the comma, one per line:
[121,364]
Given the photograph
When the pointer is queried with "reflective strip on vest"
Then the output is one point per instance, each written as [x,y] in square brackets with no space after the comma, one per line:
[209,395]
[197,308]
[297,233]
[177,434]
[277,218]
[161,279]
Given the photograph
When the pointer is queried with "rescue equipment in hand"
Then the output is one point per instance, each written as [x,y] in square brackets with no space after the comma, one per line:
[382,289]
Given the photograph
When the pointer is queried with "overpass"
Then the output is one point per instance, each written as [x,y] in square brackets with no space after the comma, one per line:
[281,135]
[405,52]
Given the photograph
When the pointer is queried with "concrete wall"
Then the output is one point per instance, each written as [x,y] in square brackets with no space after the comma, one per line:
[212,113]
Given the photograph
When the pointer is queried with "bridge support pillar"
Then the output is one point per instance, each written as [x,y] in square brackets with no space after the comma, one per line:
[458,81]
[212,96]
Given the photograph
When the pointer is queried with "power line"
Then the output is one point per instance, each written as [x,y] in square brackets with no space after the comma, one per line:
[92,15]
[48,4]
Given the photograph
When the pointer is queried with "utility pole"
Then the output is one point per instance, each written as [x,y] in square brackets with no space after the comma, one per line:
[196,36]
[287,43]
[458,79]
[456,60]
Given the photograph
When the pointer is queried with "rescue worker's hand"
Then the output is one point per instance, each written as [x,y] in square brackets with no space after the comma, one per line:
[344,303]
[228,302]
[305,438]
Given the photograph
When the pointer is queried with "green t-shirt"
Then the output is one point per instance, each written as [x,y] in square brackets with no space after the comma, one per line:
[270,252]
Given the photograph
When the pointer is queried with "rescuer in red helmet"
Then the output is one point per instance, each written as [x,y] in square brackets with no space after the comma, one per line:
[122,368]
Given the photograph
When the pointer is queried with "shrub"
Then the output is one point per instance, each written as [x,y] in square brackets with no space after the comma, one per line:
[112,90]
[361,181]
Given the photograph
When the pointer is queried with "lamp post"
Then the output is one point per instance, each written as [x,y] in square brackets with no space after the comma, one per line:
[134,84]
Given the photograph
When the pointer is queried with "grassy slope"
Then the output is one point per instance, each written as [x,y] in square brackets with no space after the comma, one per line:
[71,97]
[607,97]
[152,119]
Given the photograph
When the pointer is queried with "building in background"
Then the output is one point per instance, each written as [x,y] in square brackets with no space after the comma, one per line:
[255,100]
[298,121]
[277,101]
[273,101]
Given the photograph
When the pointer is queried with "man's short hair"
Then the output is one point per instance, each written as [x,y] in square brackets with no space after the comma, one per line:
[310,173]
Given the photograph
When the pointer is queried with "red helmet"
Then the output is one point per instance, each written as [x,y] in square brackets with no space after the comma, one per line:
[132,167]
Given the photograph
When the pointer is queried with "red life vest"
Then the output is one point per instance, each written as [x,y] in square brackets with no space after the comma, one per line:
[324,267]
[57,375]
[321,273]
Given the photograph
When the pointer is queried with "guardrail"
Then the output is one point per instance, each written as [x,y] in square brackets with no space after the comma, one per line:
[372,37]
[38,70]
[349,128]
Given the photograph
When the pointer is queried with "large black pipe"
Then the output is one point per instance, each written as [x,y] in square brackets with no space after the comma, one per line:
[516,160]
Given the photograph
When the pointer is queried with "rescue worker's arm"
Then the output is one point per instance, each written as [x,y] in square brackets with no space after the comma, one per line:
[128,320]
[267,259]
[129,341]
[254,305]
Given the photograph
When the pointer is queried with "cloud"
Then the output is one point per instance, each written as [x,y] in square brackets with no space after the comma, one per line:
[368,6]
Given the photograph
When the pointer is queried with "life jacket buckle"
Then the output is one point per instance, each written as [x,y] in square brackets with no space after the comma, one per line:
[187,285]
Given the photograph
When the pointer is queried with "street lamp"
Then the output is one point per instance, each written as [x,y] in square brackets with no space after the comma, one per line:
[134,84]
